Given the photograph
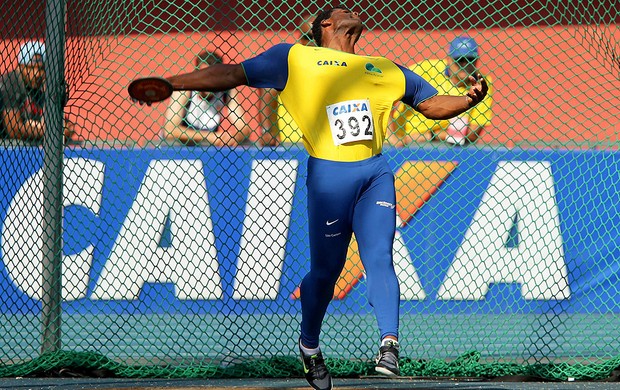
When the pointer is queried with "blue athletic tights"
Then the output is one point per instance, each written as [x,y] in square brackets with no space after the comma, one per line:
[345,198]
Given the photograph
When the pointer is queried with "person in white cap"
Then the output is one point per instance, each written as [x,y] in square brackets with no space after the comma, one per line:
[22,97]
[451,77]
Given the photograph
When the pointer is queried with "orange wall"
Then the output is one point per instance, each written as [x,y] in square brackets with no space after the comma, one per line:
[552,84]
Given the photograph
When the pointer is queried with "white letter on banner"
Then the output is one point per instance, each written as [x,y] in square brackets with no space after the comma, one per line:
[22,230]
[173,189]
[521,191]
[265,229]
[410,285]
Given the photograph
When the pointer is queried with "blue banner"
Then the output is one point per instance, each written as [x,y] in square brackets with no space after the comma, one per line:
[191,230]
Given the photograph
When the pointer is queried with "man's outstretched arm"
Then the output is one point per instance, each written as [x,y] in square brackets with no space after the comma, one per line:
[445,107]
[215,78]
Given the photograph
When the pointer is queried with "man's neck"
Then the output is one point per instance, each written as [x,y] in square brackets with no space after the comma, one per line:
[342,41]
[345,45]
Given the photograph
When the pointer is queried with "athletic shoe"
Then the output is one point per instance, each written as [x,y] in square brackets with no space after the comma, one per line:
[387,359]
[316,371]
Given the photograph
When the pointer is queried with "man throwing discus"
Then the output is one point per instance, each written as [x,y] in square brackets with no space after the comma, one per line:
[341,101]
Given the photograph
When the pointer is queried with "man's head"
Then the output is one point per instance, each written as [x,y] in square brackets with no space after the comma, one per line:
[463,58]
[303,32]
[336,18]
[31,60]
[204,60]
[207,58]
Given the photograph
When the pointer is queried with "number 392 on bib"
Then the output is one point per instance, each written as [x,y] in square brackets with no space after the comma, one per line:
[350,121]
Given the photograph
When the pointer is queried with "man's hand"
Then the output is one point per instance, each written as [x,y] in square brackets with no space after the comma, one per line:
[440,107]
[478,90]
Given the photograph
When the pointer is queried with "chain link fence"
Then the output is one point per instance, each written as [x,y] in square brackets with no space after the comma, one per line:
[145,243]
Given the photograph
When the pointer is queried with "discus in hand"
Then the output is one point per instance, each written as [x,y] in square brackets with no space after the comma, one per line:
[149,90]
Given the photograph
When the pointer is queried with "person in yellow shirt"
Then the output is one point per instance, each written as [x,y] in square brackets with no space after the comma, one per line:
[450,77]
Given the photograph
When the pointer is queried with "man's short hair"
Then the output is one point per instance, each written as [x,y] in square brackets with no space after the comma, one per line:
[208,57]
[317,33]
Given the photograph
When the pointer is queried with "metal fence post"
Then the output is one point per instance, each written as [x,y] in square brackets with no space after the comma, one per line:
[55,11]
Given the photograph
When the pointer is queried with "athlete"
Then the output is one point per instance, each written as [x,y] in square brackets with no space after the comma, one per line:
[341,102]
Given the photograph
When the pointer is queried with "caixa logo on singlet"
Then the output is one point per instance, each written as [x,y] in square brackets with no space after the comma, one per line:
[350,107]
[331,63]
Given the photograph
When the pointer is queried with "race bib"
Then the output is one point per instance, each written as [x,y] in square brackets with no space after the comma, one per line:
[350,121]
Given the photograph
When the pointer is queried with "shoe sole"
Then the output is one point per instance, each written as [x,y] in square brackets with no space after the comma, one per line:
[331,386]
[385,371]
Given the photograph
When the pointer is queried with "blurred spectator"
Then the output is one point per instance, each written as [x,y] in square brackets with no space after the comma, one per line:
[206,118]
[277,124]
[22,98]
[450,77]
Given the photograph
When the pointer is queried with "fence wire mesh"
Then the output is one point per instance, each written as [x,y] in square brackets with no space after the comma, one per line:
[184,233]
